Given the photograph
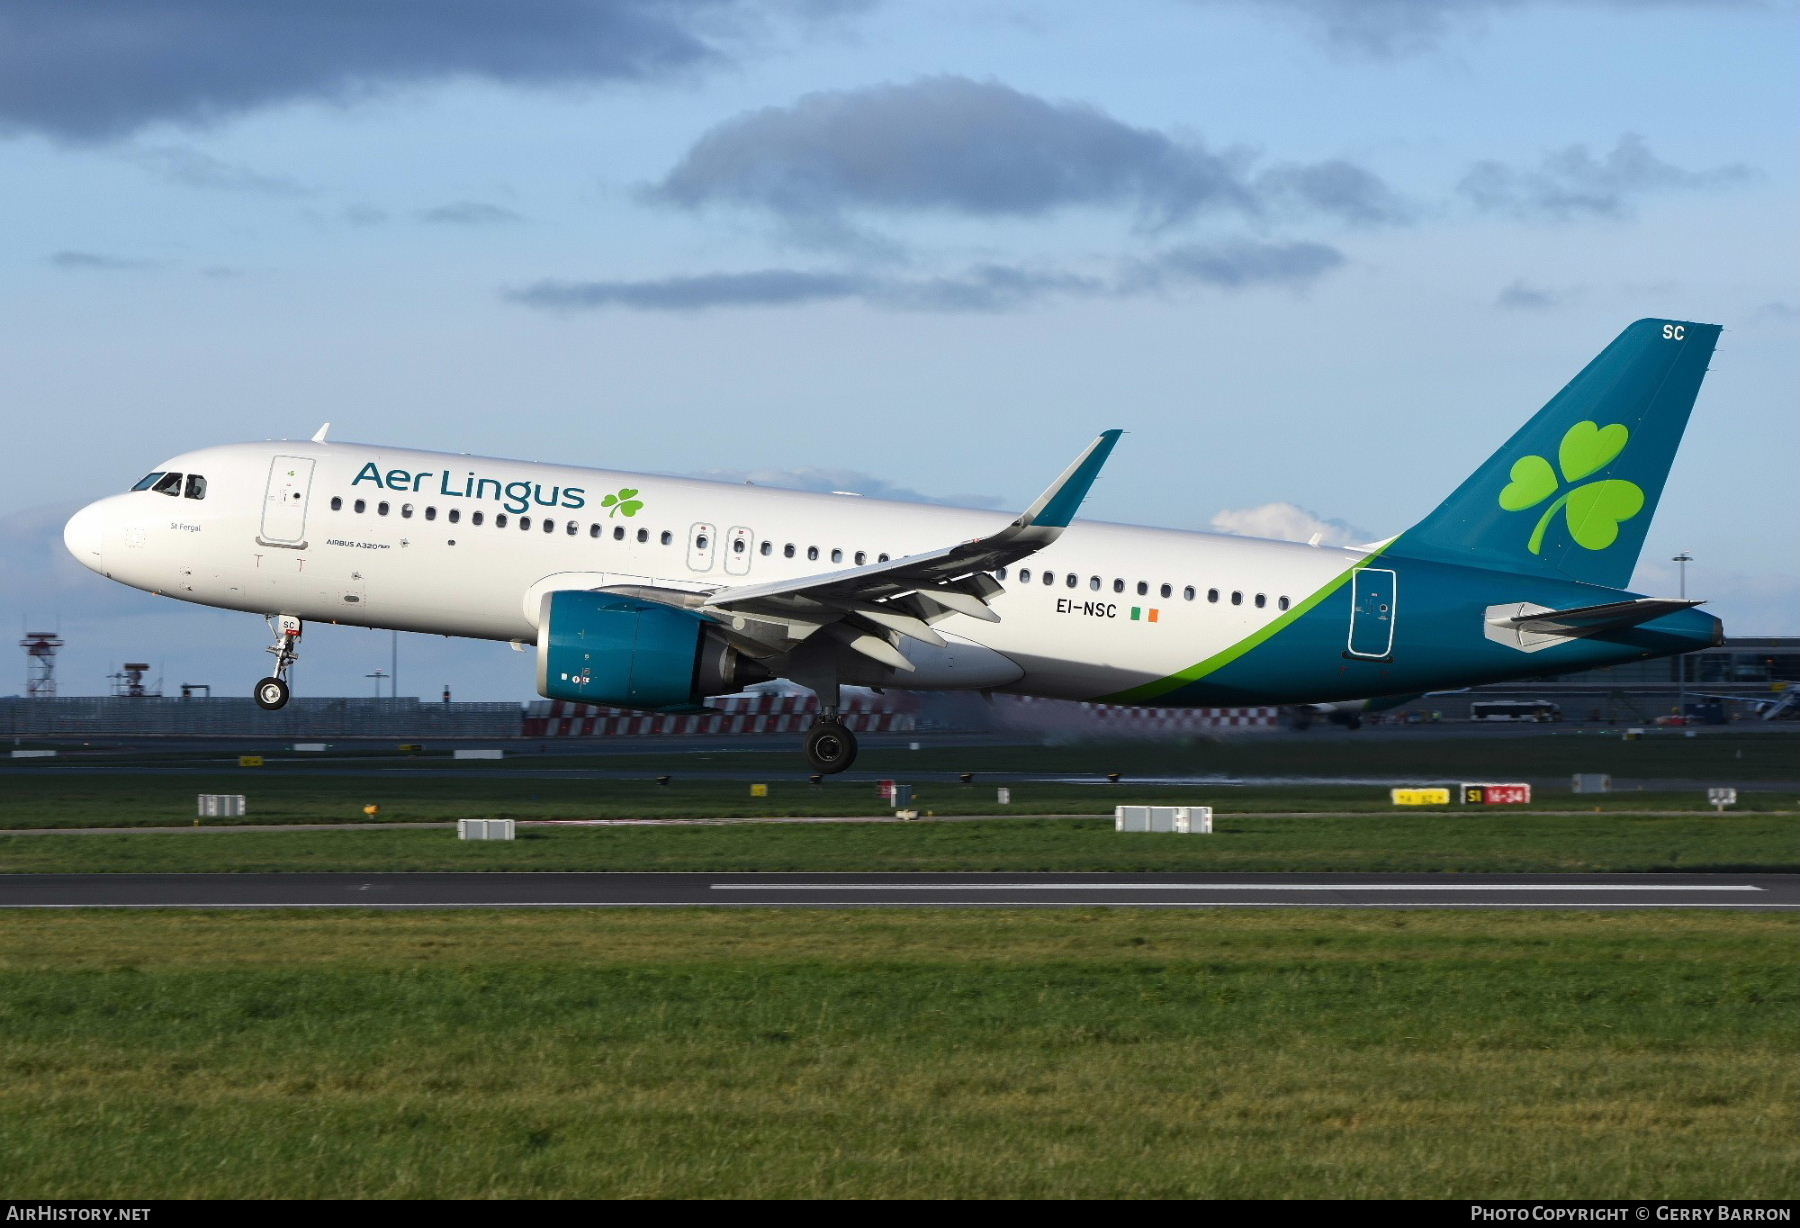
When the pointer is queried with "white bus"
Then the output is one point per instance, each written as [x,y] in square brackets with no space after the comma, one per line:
[1514,710]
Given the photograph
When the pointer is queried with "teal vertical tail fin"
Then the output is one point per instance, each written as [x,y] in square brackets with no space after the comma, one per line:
[1572,493]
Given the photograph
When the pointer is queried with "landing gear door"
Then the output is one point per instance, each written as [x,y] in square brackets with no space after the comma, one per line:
[284,502]
[1372,613]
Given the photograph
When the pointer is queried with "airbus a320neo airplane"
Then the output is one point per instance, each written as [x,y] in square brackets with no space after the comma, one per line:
[656,592]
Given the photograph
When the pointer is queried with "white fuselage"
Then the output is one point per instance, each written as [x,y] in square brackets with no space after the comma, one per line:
[462,545]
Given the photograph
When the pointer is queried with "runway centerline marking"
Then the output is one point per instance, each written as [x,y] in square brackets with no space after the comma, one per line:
[1229,887]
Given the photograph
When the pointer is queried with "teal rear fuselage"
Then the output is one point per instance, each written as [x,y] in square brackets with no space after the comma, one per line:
[1438,619]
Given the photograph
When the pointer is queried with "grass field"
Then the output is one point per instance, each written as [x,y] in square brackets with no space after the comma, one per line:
[1082,1054]
[1511,842]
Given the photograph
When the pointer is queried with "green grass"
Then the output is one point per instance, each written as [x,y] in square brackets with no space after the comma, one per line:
[1507,842]
[157,800]
[885,1054]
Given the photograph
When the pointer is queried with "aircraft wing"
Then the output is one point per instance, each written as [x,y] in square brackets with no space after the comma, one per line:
[872,608]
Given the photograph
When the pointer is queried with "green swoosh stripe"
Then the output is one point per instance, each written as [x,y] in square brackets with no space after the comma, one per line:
[1219,660]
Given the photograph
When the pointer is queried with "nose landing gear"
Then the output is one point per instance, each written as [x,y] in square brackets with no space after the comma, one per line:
[273,692]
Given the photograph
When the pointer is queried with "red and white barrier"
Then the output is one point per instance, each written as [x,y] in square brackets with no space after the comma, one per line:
[748,714]
[1118,718]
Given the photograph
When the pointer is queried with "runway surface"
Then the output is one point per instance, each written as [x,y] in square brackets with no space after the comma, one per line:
[552,890]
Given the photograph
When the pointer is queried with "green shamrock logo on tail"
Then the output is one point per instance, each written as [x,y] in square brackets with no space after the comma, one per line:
[1594,511]
[625,501]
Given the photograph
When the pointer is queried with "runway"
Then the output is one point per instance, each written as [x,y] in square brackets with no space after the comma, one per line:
[1761,892]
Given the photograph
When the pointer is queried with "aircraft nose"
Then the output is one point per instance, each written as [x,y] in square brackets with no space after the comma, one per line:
[85,537]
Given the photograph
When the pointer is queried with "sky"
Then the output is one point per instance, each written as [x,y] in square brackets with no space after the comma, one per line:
[1318,258]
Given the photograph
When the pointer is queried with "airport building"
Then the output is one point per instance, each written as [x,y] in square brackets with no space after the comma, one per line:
[1737,680]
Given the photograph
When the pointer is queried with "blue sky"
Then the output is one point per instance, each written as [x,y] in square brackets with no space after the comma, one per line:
[1318,257]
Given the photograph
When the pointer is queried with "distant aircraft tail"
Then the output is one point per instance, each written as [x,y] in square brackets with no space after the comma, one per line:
[1572,493]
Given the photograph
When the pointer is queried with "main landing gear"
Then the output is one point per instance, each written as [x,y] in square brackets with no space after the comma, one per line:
[273,692]
[830,746]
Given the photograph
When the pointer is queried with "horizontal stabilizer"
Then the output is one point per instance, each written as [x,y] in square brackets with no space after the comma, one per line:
[1529,627]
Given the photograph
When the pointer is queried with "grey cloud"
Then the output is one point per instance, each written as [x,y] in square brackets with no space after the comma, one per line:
[1573,182]
[468,213]
[190,168]
[1520,297]
[1388,29]
[1239,265]
[101,69]
[364,215]
[765,288]
[853,480]
[1235,266]
[96,262]
[983,149]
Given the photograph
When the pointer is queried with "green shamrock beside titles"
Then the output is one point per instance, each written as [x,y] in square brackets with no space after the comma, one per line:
[1594,511]
[625,501]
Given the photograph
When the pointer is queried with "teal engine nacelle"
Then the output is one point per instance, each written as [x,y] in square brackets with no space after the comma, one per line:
[603,648]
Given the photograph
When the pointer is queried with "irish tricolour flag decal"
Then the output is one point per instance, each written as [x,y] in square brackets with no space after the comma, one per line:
[1140,613]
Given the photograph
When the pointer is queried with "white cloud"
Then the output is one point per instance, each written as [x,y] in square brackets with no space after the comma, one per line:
[1286,522]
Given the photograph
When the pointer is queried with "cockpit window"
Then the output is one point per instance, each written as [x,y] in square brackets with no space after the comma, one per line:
[150,479]
[196,486]
[169,484]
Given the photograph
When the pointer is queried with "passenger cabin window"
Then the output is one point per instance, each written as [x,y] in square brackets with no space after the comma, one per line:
[454,514]
[1212,594]
[618,532]
[1024,575]
[787,551]
[737,545]
[149,481]
[196,486]
[643,535]
[406,511]
[1049,577]
[360,506]
[837,556]
[382,508]
[1282,604]
[431,513]
[593,530]
[1166,591]
[1094,583]
[1261,601]
[337,503]
[1143,589]
[572,530]
[1187,594]
[812,552]
[499,519]
[766,549]
[861,558]
[474,517]
[1071,580]
[1237,599]
[668,538]
[524,524]
[1118,586]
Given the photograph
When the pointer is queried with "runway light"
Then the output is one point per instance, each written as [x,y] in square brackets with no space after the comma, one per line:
[1113,777]
[816,779]
[968,778]
[371,810]
[662,780]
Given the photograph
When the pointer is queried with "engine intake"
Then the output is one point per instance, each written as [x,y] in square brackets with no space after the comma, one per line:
[604,648]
